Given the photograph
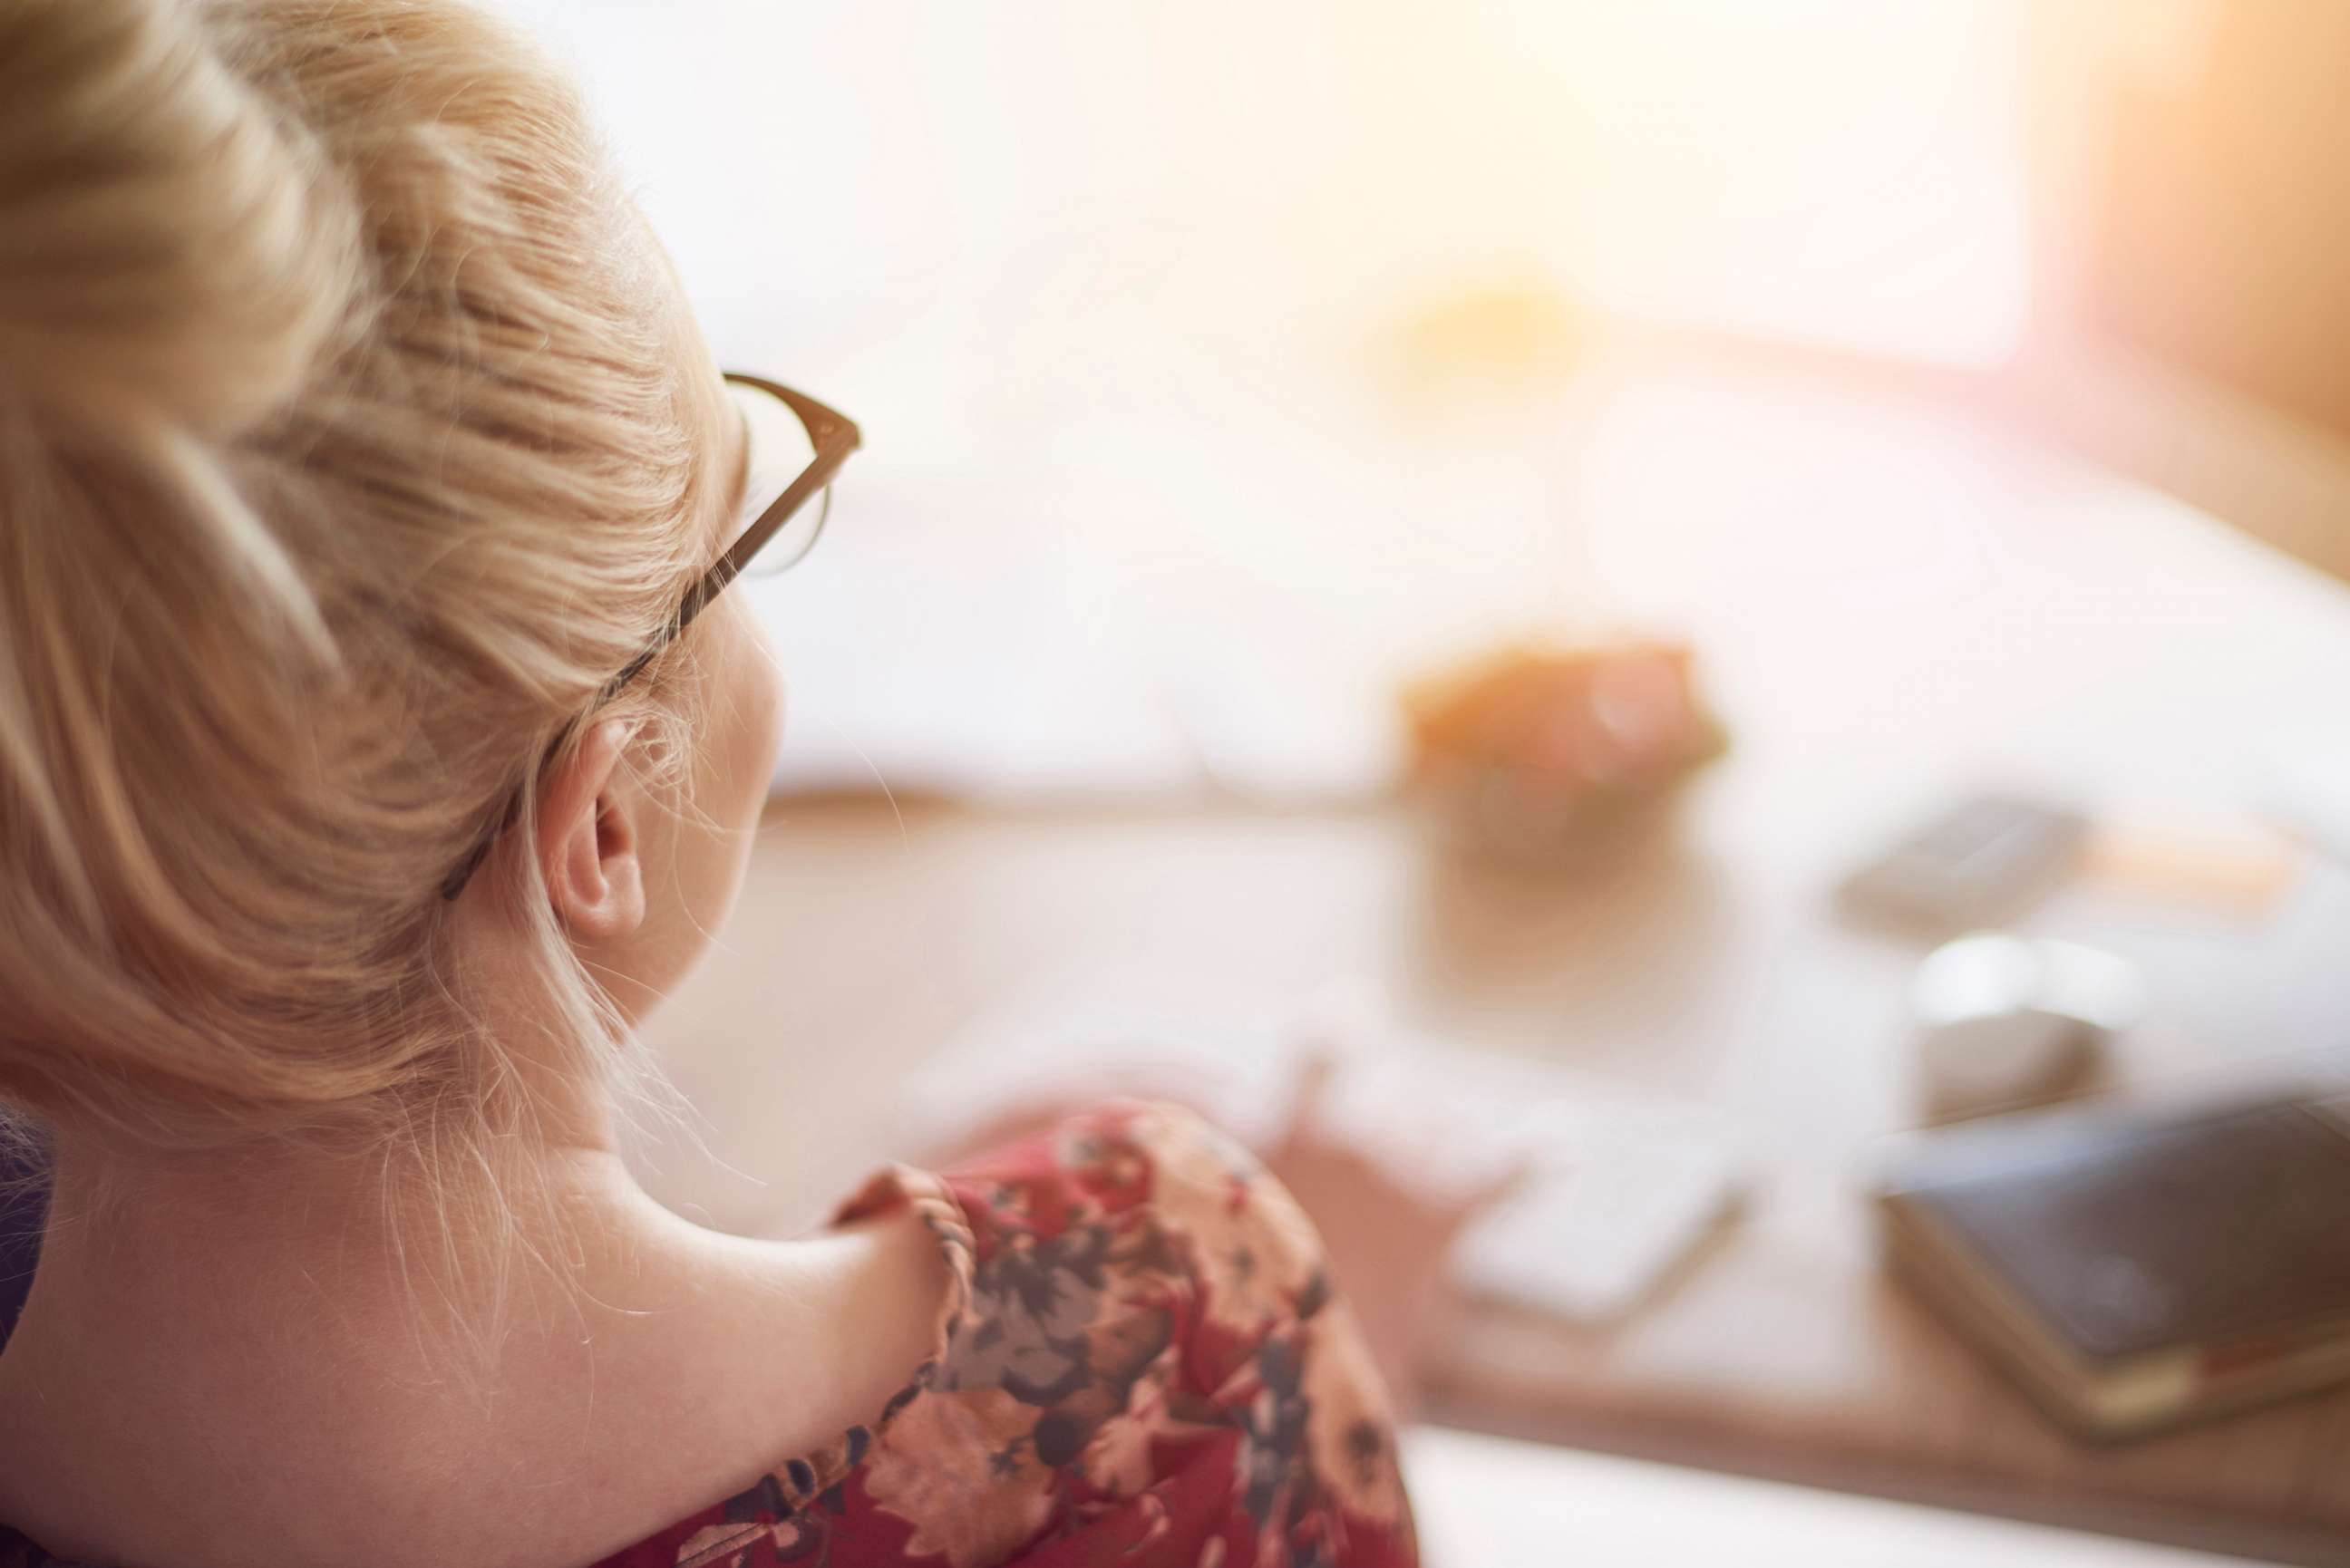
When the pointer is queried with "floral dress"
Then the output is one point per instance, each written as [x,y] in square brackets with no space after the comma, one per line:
[1139,1362]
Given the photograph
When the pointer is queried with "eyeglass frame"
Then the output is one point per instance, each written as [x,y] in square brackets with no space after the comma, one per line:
[834,436]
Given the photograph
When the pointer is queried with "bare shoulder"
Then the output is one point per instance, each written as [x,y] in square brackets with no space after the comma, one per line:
[615,1409]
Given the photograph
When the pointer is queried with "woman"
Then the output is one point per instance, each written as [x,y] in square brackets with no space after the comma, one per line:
[378,744]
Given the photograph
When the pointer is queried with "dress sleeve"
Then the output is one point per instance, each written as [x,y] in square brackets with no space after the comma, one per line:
[1159,1301]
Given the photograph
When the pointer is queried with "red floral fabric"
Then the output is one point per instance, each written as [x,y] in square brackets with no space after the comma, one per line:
[1139,1362]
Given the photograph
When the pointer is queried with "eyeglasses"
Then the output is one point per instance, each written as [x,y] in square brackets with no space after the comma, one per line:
[774,494]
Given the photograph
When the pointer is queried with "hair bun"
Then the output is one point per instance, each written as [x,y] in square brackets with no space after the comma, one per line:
[161,256]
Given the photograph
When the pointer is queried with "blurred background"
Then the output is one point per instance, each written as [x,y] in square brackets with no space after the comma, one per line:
[1220,366]
[1611,532]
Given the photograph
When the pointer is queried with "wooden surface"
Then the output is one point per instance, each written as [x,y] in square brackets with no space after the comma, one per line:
[1481,1501]
[1882,624]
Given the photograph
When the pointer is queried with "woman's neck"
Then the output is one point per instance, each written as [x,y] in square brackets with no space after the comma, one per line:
[232,1266]
[452,1382]
[276,1200]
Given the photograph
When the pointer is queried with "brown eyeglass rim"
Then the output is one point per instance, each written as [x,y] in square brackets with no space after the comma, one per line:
[835,435]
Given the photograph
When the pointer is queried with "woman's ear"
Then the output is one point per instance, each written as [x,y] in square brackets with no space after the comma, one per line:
[587,840]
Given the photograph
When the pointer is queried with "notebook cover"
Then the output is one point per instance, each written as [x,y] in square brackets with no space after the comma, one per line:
[2126,1234]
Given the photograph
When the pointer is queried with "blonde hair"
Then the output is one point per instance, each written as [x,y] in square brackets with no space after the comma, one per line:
[344,457]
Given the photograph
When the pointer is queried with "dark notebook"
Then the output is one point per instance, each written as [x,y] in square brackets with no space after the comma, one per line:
[2135,1268]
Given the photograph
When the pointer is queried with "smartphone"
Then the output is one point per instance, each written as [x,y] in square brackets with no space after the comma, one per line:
[1592,1230]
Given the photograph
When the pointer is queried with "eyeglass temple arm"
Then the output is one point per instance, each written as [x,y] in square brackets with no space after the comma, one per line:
[833,435]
